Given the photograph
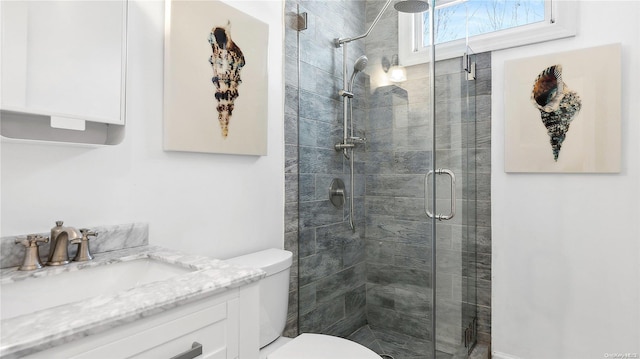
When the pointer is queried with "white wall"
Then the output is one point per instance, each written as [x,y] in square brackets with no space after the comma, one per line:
[216,205]
[566,247]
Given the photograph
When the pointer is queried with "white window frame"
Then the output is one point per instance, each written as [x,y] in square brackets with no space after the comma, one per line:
[561,21]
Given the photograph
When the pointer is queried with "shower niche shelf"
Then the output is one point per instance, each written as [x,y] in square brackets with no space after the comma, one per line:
[63,71]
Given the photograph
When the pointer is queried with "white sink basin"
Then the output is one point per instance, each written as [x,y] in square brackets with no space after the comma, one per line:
[33,294]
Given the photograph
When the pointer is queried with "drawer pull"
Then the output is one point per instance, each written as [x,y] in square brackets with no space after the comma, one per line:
[195,351]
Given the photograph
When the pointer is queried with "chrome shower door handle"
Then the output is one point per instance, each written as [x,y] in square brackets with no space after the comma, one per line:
[426,194]
[453,194]
[440,216]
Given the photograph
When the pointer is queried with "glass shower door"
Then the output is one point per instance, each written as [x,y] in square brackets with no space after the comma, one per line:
[455,202]
[375,284]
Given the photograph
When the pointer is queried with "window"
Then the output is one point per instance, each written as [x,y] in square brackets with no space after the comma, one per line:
[484,25]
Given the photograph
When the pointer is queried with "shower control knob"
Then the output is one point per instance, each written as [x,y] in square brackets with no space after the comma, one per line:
[337,193]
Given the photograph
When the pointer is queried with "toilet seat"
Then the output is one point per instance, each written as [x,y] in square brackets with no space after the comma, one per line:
[320,346]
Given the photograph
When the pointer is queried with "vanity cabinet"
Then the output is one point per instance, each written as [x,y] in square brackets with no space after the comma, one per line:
[225,325]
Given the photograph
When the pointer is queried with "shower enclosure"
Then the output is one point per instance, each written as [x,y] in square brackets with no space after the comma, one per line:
[393,265]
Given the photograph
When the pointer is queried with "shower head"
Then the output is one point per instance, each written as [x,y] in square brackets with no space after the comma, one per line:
[411,6]
[359,66]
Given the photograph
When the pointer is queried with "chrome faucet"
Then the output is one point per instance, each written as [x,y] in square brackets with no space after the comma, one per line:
[59,243]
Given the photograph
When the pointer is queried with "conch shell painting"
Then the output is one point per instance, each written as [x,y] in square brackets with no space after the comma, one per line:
[227,62]
[216,79]
[557,104]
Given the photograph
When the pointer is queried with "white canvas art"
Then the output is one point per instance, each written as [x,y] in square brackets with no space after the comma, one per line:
[216,84]
[562,112]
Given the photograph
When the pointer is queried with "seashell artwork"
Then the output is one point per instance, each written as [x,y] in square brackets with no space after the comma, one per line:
[216,79]
[227,61]
[576,95]
[557,104]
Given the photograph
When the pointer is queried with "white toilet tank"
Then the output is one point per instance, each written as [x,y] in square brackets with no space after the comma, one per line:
[274,289]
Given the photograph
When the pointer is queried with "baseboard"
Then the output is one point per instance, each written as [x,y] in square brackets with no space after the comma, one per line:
[499,355]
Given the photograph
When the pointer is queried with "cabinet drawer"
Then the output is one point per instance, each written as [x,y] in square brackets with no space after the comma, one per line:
[207,327]
[211,322]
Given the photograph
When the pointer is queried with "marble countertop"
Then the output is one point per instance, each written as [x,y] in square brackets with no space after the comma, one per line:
[30,333]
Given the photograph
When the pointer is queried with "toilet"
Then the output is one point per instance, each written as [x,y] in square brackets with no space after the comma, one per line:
[274,296]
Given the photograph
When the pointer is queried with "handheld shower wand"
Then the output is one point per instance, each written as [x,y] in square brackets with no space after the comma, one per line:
[349,141]
[358,66]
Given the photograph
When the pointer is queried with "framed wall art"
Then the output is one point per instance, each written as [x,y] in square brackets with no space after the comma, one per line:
[563,112]
[215,79]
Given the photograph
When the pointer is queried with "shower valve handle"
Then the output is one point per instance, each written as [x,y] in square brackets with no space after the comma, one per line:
[342,146]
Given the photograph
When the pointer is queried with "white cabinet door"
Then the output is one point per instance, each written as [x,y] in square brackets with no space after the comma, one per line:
[64,59]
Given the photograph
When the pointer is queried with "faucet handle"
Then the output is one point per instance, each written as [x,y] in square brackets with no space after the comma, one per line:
[86,232]
[83,254]
[32,240]
[31,259]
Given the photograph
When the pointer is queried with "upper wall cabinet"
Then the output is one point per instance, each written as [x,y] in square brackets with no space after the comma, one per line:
[63,70]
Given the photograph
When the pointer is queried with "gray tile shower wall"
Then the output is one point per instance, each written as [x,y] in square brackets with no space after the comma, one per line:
[291,159]
[330,257]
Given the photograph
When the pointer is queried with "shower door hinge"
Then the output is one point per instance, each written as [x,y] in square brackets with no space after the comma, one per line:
[302,21]
[469,67]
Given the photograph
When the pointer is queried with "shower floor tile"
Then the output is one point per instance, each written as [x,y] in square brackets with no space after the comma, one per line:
[398,346]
